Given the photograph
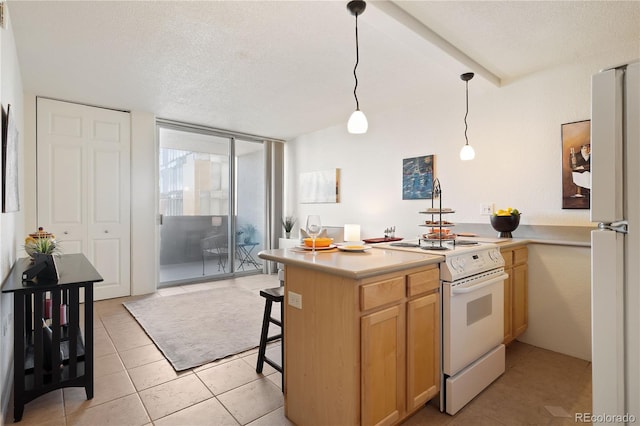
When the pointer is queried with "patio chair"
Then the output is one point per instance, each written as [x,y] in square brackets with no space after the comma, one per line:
[215,245]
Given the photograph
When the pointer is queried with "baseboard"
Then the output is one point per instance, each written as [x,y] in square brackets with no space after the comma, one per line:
[5,398]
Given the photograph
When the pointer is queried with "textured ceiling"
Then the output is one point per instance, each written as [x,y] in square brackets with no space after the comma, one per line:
[284,68]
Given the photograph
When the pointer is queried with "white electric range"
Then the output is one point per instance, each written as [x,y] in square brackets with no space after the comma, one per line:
[463,258]
[472,295]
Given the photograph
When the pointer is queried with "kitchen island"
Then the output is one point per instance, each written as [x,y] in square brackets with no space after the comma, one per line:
[361,335]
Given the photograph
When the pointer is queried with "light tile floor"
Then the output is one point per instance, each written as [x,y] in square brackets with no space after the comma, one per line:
[135,385]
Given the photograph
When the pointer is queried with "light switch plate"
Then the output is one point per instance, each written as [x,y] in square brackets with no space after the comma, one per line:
[294,299]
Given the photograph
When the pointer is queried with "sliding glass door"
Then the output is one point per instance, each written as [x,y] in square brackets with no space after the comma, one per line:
[211,204]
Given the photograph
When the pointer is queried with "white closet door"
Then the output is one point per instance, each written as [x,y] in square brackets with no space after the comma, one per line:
[83,186]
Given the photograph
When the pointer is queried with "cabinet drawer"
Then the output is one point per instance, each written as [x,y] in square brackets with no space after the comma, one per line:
[520,255]
[381,293]
[423,282]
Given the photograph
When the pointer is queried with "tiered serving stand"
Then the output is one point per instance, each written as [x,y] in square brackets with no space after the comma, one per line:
[436,227]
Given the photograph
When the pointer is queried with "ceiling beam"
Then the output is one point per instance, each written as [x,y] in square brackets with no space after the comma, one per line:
[412,23]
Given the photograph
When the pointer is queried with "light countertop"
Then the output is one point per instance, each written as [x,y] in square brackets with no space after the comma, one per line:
[510,242]
[560,235]
[354,265]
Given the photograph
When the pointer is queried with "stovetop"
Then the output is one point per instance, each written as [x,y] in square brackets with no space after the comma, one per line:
[462,259]
[433,247]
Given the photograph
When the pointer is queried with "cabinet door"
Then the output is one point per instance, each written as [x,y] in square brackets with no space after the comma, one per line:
[508,324]
[423,350]
[382,366]
[519,309]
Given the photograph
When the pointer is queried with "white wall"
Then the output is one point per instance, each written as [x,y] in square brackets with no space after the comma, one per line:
[514,129]
[11,224]
[560,299]
[144,203]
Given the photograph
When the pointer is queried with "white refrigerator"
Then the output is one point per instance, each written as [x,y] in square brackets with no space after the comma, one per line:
[615,246]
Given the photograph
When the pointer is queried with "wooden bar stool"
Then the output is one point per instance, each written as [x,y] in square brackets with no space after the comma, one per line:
[271,295]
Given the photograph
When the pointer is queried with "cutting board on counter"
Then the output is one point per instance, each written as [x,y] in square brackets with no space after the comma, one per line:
[381,240]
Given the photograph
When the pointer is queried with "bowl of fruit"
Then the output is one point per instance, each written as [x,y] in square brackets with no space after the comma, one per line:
[505,221]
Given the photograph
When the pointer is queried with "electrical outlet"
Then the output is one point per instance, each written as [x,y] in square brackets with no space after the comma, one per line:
[294,300]
[486,209]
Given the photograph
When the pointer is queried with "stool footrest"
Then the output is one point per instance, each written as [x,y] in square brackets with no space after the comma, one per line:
[275,321]
[273,364]
[276,337]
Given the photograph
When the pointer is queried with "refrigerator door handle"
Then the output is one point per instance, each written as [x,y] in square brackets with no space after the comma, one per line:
[620,226]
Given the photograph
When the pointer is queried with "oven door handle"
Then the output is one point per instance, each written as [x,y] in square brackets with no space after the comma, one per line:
[463,290]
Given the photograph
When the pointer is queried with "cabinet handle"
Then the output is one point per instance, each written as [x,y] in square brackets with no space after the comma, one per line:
[106,232]
[461,290]
[65,232]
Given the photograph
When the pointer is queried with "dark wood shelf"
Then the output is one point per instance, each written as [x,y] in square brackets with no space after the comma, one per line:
[29,353]
[34,371]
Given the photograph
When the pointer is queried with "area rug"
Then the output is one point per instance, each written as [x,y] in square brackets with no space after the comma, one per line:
[196,328]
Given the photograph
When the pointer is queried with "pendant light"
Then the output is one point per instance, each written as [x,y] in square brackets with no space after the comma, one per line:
[467,152]
[357,122]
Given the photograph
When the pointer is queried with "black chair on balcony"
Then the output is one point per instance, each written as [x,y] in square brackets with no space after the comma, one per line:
[215,246]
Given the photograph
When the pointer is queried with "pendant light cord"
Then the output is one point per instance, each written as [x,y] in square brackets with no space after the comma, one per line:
[356,67]
[466,114]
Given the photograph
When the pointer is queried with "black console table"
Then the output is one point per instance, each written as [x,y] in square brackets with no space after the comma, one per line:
[55,356]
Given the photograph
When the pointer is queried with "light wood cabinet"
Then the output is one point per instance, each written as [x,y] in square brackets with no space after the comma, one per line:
[361,351]
[515,292]
[397,380]
[519,300]
[382,366]
[423,355]
[508,325]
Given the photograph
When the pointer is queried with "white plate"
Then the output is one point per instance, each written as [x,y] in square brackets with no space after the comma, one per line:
[436,210]
[330,246]
[354,248]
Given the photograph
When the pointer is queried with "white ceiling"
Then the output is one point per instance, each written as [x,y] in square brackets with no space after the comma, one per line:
[283,68]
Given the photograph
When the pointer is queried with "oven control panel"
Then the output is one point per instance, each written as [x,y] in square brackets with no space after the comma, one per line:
[465,264]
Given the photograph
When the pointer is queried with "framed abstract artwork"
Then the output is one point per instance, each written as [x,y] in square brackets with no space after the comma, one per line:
[417,178]
[10,201]
[576,165]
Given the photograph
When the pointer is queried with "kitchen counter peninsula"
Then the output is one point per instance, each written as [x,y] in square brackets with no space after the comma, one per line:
[361,335]
[351,264]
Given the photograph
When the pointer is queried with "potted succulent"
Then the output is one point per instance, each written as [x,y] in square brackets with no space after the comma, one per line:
[249,232]
[41,244]
[288,223]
